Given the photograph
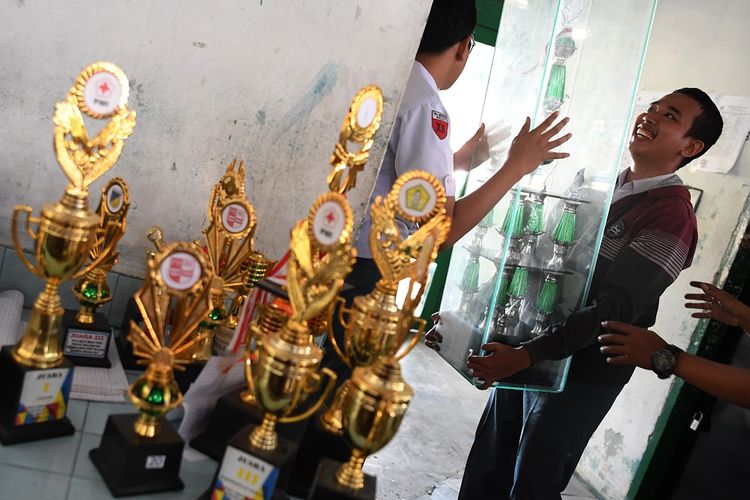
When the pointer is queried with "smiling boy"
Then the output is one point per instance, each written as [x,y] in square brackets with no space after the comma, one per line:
[527,446]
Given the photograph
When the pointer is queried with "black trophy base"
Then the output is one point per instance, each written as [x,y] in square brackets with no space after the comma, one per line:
[227,418]
[133,465]
[325,486]
[13,375]
[281,458]
[86,344]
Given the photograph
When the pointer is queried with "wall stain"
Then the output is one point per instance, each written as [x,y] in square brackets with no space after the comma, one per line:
[261,116]
[174,166]
[325,81]
[358,12]
[200,45]
[612,443]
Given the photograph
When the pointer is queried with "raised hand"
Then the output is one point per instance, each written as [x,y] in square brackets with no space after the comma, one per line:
[714,303]
[531,147]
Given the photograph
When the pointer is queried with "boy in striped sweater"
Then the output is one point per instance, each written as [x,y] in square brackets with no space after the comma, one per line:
[527,445]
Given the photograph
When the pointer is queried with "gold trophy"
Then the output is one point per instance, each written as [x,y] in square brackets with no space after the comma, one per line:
[142,453]
[229,243]
[87,334]
[37,378]
[368,407]
[372,324]
[284,366]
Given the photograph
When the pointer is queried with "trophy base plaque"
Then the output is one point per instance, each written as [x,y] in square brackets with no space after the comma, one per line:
[325,486]
[229,416]
[33,401]
[86,344]
[131,464]
[246,472]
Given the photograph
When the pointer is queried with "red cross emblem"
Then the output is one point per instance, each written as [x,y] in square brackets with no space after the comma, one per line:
[104,88]
[330,217]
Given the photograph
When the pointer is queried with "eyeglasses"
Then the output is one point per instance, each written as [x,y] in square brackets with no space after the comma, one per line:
[471,43]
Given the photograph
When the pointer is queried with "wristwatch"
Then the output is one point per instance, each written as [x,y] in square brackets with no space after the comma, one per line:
[664,360]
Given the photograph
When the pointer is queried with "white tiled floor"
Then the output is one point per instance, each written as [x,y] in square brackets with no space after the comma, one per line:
[424,461]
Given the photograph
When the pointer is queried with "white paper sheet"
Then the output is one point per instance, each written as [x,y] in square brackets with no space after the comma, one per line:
[11,307]
[222,374]
[101,384]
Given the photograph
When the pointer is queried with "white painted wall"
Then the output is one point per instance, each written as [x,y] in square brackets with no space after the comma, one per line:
[697,44]
[267,81]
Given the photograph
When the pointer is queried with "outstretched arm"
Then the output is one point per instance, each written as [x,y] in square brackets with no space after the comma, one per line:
[530,148]
[631,345]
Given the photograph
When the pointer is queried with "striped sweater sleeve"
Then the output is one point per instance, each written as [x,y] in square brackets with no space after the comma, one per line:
[638,268]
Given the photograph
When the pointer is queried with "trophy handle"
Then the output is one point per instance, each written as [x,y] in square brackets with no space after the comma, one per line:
[323,397]
[415,339]
[109,245]
[342,309]
[249,353]
[16,240]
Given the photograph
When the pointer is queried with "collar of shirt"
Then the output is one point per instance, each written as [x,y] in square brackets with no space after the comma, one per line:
[623,189]
[422,71]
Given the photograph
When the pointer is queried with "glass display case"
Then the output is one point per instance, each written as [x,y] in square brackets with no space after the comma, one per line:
[529,263]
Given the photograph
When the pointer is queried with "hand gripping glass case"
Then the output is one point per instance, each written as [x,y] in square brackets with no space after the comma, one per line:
[530,261]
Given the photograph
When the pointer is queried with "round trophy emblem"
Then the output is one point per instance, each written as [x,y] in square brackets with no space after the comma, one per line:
[234,218]
[365,113]
[180,271]
[417,196]
[115,198]
[102,90]
[329,223]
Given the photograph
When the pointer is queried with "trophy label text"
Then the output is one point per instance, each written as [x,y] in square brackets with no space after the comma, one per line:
[86,343]
[234,217]
[329,222]
[243,476]
[367,112]
[180,271]
[44,396]
[156,461]
[102,93]
[417,198]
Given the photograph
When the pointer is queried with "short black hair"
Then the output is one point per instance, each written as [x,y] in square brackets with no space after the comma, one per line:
[449,22]
[707,126]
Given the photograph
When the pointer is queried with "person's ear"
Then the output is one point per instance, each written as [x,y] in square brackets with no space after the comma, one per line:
[462,49]
[692,148]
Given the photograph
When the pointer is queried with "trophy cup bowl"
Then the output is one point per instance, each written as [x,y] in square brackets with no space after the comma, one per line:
[372,327]
[372,411]
[66,231]
[283,376]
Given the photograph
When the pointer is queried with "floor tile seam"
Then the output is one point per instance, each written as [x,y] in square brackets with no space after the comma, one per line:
[35,469]
[75,457]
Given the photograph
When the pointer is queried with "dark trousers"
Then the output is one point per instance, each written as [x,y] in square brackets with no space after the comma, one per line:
[528,444]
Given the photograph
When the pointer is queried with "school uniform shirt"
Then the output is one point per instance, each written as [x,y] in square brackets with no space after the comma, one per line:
[650,236]
[420,140]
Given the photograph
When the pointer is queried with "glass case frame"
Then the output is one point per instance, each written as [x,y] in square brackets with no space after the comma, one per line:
[530,262]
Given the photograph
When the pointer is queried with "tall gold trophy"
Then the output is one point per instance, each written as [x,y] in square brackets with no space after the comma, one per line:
[142,453]
[284,367]
[369,406]
[87,334]
[229,243]
[37,379]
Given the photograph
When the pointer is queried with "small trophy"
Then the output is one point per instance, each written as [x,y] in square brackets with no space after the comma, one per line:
[554,95]
[87,333]
[37,379]
[229,243]
[372,324]
[370,405]
[283,367]
[142,453]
